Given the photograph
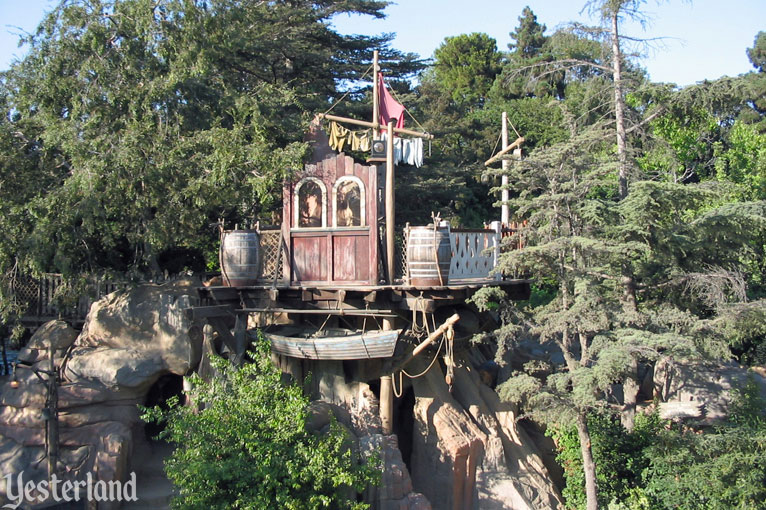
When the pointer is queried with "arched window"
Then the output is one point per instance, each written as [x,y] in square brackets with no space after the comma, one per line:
[348,197]
[310,203]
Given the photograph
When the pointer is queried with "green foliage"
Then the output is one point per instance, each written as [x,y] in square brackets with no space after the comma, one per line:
[744,162]
[132,125]
[529,35]
[757,54]
[619,456]
[465,67]
[656,466]
[249,446]
[719,470]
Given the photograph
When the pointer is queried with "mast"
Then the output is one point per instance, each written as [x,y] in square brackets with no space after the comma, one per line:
[390,210]
[375,91]
[505,216]
[375,125]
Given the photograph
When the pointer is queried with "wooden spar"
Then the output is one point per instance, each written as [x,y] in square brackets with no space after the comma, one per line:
[386,404]
[390,208]
[364,123]
[505,216]
[428,341]
[375,92]
[503,152]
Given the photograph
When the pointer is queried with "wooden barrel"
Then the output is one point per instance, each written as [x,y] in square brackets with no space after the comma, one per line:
[240,257]
[428,256]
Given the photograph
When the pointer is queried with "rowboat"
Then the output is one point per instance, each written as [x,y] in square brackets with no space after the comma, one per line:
[332,344]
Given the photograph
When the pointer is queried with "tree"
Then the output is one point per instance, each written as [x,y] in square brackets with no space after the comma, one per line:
[529,36]
[141,123]
[757,54]
[465,67]
[249,447]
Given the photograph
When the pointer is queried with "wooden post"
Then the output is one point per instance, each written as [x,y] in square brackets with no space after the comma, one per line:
[497,242]
[390,211]
[505,215]
[53,419]
[240,338]
[386,404]
[375,93]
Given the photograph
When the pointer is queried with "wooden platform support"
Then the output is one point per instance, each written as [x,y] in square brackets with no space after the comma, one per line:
[386,404]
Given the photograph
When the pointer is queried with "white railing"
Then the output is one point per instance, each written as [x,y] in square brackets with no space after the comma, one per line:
[474,253]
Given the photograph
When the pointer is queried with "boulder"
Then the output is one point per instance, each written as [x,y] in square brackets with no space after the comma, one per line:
[149,318]
[395,489]
[58,333]
[709,386]
[118,368]
[130,340]
[470,441]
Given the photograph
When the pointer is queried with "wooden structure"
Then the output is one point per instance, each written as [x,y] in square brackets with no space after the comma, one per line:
[332,263]
[330,213]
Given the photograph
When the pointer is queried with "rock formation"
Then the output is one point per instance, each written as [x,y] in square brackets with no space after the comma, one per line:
[453,449]
[131,339]
[700,391]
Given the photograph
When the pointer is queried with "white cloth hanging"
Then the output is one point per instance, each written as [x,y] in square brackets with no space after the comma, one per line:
[407,150]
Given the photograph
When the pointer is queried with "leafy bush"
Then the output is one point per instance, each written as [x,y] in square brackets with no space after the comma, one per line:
[249,447]
[720,470]
[618,454]
[657,467]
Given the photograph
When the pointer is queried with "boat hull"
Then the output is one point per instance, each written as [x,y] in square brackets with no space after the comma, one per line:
[368,345]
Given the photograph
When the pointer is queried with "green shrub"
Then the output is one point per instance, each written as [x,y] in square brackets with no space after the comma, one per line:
[249,447]
[618,454]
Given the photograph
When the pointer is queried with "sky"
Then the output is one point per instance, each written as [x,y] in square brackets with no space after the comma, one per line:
[703,39]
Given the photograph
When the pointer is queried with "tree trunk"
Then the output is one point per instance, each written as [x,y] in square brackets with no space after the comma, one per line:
[630,389]
[588,465]
[619,109]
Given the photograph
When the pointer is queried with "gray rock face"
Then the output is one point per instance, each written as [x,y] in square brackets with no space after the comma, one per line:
[703,391]
[117,368]
[149,319]
[130,339]
[468,450]
[58,333]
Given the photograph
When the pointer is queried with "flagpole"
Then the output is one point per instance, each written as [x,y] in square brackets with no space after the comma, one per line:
[390,202]
[375,93]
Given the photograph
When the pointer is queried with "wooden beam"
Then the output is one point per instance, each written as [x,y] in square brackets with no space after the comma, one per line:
[505,151]
[224,333]
[386,404]
[390,207]
[330,311]
[428,341]
[505,217]
[364,123]
[203,312]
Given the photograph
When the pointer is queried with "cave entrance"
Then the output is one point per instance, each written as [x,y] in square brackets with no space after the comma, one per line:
[167,386]
[404,423]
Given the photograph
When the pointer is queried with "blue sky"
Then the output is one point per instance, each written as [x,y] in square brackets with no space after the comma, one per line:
[706,39]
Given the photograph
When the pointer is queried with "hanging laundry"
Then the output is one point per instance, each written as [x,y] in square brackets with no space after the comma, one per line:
[390,108]
[361,140]
[340,137]
[407,150]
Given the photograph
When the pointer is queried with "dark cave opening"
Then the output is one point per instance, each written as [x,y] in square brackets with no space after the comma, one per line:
[167,386]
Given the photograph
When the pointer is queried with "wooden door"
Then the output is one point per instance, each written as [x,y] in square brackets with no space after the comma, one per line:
[330,222]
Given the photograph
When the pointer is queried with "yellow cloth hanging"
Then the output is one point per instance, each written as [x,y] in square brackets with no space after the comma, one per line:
[339,136]
[356,140]
[361,140]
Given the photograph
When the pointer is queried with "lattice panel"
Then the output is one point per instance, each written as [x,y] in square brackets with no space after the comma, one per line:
[473,254]
[271,262]
[26,292]
[400,267]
